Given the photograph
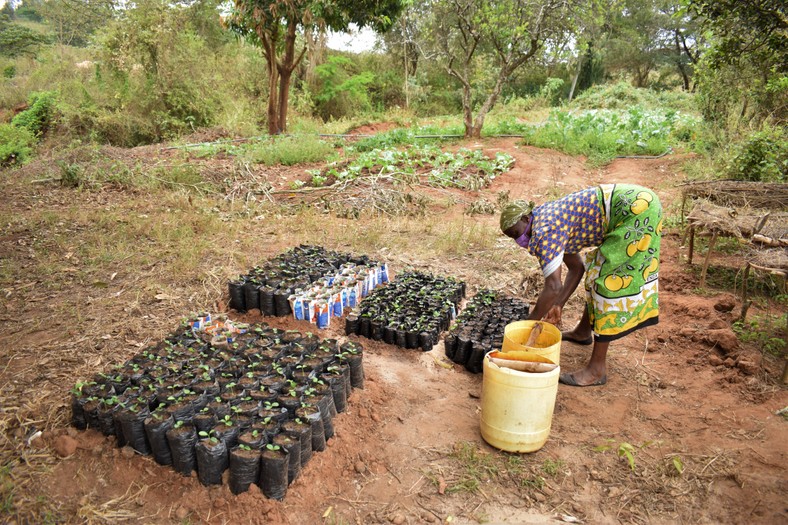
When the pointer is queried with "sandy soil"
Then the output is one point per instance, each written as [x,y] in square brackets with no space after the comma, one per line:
[685,388]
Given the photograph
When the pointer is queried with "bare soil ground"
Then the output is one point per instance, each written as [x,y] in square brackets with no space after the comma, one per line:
[408,450]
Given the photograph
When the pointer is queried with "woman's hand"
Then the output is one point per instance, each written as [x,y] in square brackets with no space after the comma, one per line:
[554,315]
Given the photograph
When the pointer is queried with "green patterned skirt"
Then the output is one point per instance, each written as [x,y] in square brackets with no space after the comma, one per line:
[622,274]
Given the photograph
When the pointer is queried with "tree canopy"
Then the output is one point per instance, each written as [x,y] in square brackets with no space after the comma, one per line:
[16,39]
[509,33]
[274,26]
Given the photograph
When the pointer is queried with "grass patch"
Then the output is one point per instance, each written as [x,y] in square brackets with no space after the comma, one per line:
[552,467]
[767,332]
[6,491]
[476,467]
[181,177]
[289,150]
[470,467]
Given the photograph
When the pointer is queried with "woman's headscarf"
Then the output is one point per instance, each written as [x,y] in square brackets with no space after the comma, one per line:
[513,211]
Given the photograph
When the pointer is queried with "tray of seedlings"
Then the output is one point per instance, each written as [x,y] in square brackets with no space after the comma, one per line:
[309,282]
[215,396]
[410,312]
[479,328]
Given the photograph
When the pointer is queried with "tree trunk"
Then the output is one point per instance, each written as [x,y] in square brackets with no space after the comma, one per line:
[476,130]
[467,110]
[284,96]
[316,50]
[285,70]
[576,76]
[273,116]
[269,42]
[680,64]
[405,63]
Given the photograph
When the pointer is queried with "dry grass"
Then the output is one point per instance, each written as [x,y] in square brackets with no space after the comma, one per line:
[93,274]
[114,510]
[90,276]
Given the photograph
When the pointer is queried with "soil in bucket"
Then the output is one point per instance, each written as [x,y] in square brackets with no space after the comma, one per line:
[547,343]
[517,406]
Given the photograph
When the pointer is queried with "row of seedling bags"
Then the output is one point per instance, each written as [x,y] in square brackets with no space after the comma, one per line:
[309,282]
[217,395]
[411,311]
[480,326]
[415,308]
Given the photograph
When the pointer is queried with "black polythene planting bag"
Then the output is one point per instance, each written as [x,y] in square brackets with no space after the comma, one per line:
[292,446]
[156,427]
[301,430]
[133,424]
[244,468]
[212,460]
[182,440]
[273,472]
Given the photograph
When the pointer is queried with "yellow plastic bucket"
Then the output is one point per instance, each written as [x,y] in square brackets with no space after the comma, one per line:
[548,344]
[517,407]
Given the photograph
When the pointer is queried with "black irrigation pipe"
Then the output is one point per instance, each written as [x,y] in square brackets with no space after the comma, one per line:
[669,150]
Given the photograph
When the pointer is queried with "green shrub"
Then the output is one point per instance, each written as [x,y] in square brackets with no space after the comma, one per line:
[602,135]
[761,157]
[38,117]
[766,331]
[16,144]
[387,139]
[341,93]
[290,150]
[552,91]
[623,95]
[125,129]
[71,175]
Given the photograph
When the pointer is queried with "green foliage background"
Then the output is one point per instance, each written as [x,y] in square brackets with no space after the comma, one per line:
[159,71]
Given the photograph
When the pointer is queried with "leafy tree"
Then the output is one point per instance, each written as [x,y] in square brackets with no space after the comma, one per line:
[638,34]
[340,87]
[637,38]
[275,26]
[16,40]
[592,36]
[157,52]
[507,33]
[74,21]
[402,42]
[745,70]
[687,43]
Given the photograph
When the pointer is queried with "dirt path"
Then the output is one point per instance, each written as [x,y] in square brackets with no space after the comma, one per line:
[408,449]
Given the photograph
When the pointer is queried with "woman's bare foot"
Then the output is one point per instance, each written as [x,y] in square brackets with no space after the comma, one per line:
[584,377]
[581,337]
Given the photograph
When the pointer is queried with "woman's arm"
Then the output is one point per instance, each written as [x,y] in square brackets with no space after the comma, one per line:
[574,264]
[548,296]
[555,293]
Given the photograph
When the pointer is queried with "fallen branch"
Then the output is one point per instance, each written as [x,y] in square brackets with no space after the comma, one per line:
[769,241]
